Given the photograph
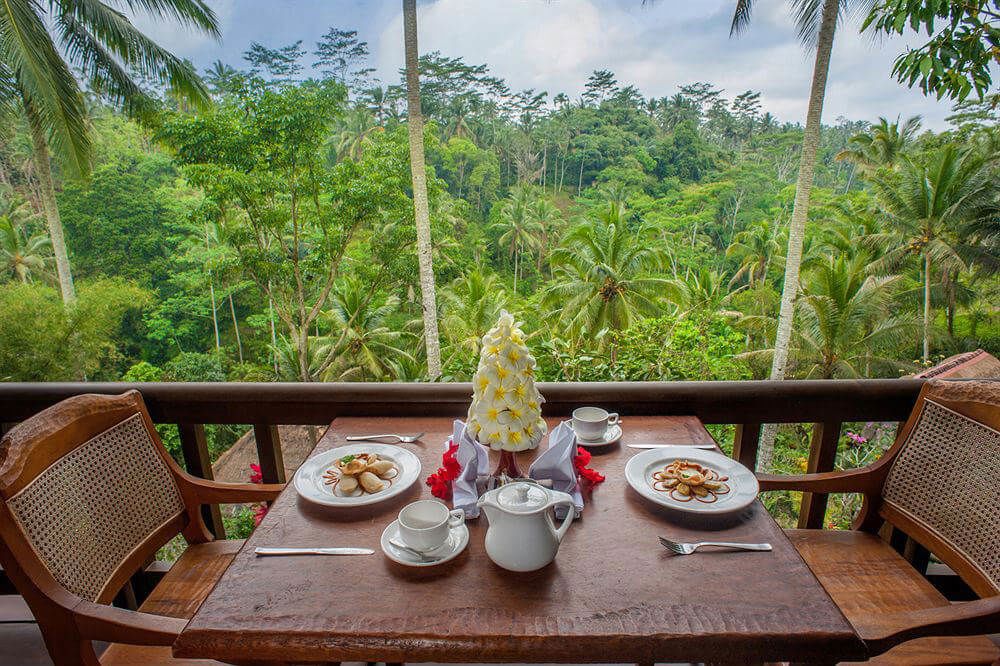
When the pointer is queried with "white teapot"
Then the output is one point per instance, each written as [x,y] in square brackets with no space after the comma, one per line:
[522,535]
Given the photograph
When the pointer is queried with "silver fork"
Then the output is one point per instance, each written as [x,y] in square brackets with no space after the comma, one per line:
[402,439]
[688,548]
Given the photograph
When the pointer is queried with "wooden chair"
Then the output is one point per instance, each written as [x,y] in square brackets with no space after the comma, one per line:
[940,484]
[88,495]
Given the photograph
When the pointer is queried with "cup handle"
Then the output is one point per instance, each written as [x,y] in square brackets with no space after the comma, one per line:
[456,517]
[613,418]
[570,515]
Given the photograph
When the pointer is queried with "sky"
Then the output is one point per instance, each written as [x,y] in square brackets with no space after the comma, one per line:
[554,45]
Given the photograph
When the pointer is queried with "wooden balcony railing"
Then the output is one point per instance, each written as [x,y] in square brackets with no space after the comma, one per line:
[746,404]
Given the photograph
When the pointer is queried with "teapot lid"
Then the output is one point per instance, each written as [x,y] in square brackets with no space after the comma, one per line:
[522,497]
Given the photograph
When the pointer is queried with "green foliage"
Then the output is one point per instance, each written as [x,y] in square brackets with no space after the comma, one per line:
[46,341]
[143,372]
[194,367]
[961,50]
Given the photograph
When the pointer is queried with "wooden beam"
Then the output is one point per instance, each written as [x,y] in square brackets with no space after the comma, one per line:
[745,444]
[197,462]
[791,401]
[822,456]
[269,456]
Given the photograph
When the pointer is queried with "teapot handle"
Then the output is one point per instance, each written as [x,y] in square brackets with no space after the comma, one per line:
[570,514]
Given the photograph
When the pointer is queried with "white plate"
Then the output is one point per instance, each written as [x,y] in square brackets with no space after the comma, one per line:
[311,485]
[458,539]
[744,487]
[611,435]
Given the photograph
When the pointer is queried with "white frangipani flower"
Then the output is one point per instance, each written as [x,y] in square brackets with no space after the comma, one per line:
[506,407]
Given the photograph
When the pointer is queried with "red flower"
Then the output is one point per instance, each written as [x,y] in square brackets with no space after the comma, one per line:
[255,474]
[440,481]
[259,512]
[580,462]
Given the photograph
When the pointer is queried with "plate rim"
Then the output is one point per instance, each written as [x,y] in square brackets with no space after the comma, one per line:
[464,539]
[638,462]
[363,500]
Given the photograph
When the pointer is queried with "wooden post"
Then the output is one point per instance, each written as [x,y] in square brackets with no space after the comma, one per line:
[745,444]
[822,455]
[197,462]
[272,464]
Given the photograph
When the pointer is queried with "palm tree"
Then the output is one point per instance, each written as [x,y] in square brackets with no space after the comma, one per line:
[470,306]
[548,217]
[846,320]
[605,277]
[366,349]
[519,230]
[924,207]
[881,145]
[421,212]
[354,129]
[220,77]
[702,291]
[23,255]
[817,24]
[39,50]
[753,248]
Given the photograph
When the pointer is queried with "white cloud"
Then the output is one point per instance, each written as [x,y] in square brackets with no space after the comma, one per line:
[555,45]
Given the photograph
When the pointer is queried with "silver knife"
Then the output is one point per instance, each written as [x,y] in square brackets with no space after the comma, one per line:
[313,551]
[667,446]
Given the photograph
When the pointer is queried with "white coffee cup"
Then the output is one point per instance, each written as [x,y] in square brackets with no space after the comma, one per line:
[591,423]
[424,525]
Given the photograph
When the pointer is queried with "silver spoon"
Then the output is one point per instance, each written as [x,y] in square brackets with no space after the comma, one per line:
[402,439]
[412,551]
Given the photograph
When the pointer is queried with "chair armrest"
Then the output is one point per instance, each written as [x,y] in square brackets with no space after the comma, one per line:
[117,625]
[214,492]
[850,481]
[968,618]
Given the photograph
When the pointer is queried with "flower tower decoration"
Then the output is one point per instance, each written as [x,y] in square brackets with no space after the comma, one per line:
[506,412]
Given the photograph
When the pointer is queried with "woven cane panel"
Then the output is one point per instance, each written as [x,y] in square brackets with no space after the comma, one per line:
[948,477]
[87,512]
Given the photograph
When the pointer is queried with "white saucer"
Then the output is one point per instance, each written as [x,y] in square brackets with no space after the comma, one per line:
[611,435]
[458,539]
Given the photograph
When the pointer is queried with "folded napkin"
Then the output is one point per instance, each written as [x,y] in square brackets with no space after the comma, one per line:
[474,459]
[556,463]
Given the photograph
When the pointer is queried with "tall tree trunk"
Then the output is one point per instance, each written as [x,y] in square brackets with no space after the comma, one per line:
[800,212]
[927,307]
[421,212]
[47,193]
[215,312]
[236,327]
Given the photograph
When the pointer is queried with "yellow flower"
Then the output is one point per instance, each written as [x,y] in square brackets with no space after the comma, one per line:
[492,413]
[520,391]
[499,392]
[502,372]
[514,436]
[483,382]
[493,350]
[514,413]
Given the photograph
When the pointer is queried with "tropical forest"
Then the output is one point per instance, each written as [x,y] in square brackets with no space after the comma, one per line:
[290,217]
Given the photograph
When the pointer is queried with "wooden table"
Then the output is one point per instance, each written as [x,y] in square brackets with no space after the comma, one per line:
[612,594]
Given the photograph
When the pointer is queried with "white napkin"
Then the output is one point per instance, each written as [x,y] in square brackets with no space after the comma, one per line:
[475,461]
[556,463]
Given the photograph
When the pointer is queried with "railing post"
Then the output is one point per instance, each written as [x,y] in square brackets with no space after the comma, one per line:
[745,443]
[822,456]
[197,462]
[272,464]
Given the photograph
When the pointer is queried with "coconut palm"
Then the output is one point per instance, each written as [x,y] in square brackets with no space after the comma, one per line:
[817,23]
[604,277]
[364,347]
[470,307]
[23,255]
[881,145]
[753,248]
[519,229]
[350,137]
[846,322]
[40,47]
[702,291]
[421,211]
[923,209]
[548,217]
